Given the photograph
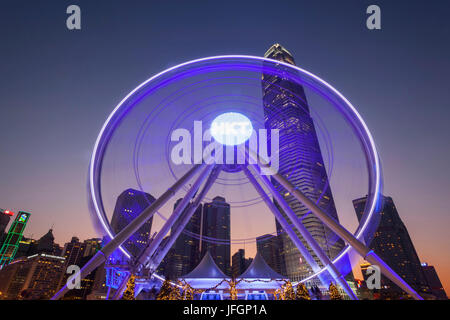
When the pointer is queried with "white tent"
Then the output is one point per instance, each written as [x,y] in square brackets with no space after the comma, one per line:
[259,276]
[206,275]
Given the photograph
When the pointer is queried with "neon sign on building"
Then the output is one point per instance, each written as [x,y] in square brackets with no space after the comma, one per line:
[11,245]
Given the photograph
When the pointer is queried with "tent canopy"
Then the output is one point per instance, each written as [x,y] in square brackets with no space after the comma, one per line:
[206,269]
[259,269]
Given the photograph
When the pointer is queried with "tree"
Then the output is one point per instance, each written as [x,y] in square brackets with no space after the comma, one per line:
[278,294]
[188,291]
[288,291]
[129,291]
[175,293]
[165,291]
[334,292]
[233,290]
[302,293]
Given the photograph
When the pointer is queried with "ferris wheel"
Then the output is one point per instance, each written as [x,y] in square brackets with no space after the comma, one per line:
[213,103]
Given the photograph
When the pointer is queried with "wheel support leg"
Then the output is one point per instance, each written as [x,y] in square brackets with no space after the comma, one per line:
[334,272]
[131,228]
[337,228]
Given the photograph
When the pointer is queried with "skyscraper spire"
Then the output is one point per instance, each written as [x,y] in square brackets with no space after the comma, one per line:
[280,53]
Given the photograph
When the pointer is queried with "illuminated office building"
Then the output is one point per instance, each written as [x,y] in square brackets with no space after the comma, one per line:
[26,247]
[434,282]
[216,227]
[270,248]
[5,217]
[209,222]
[78,253]
[239,263]
[393,244]
[129,205]
[286,108]
[31,278]
[11,244]
[185,254]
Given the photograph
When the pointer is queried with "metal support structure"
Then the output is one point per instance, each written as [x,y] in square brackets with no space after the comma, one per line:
[337,228]
[102,255]
[334,272]
[284,223]
[154,245]
[150,250]
[184,219]
[108,291]
[123,285]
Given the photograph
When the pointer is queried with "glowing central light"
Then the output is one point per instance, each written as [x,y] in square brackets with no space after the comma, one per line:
[231,128]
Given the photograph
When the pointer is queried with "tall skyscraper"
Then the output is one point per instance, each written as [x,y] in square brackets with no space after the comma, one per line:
[212,220]
[129,205]
[269,247]
[78,253]
[11,244]
[5,216]
[434,282]
[286,108]
[185,254]
[216,224]
[393,244]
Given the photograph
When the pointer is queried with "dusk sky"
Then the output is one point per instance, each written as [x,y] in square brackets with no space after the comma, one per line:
[58,86]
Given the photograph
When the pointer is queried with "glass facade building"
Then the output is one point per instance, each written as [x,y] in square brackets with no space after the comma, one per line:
[300,160]
[129,205]
[216,225]
[393,244]
[11,244]
[185,253]
[434,282]
[210,220]
[270,248]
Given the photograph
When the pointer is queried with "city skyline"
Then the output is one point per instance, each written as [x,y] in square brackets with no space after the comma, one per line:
[53,138]
[391,240]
